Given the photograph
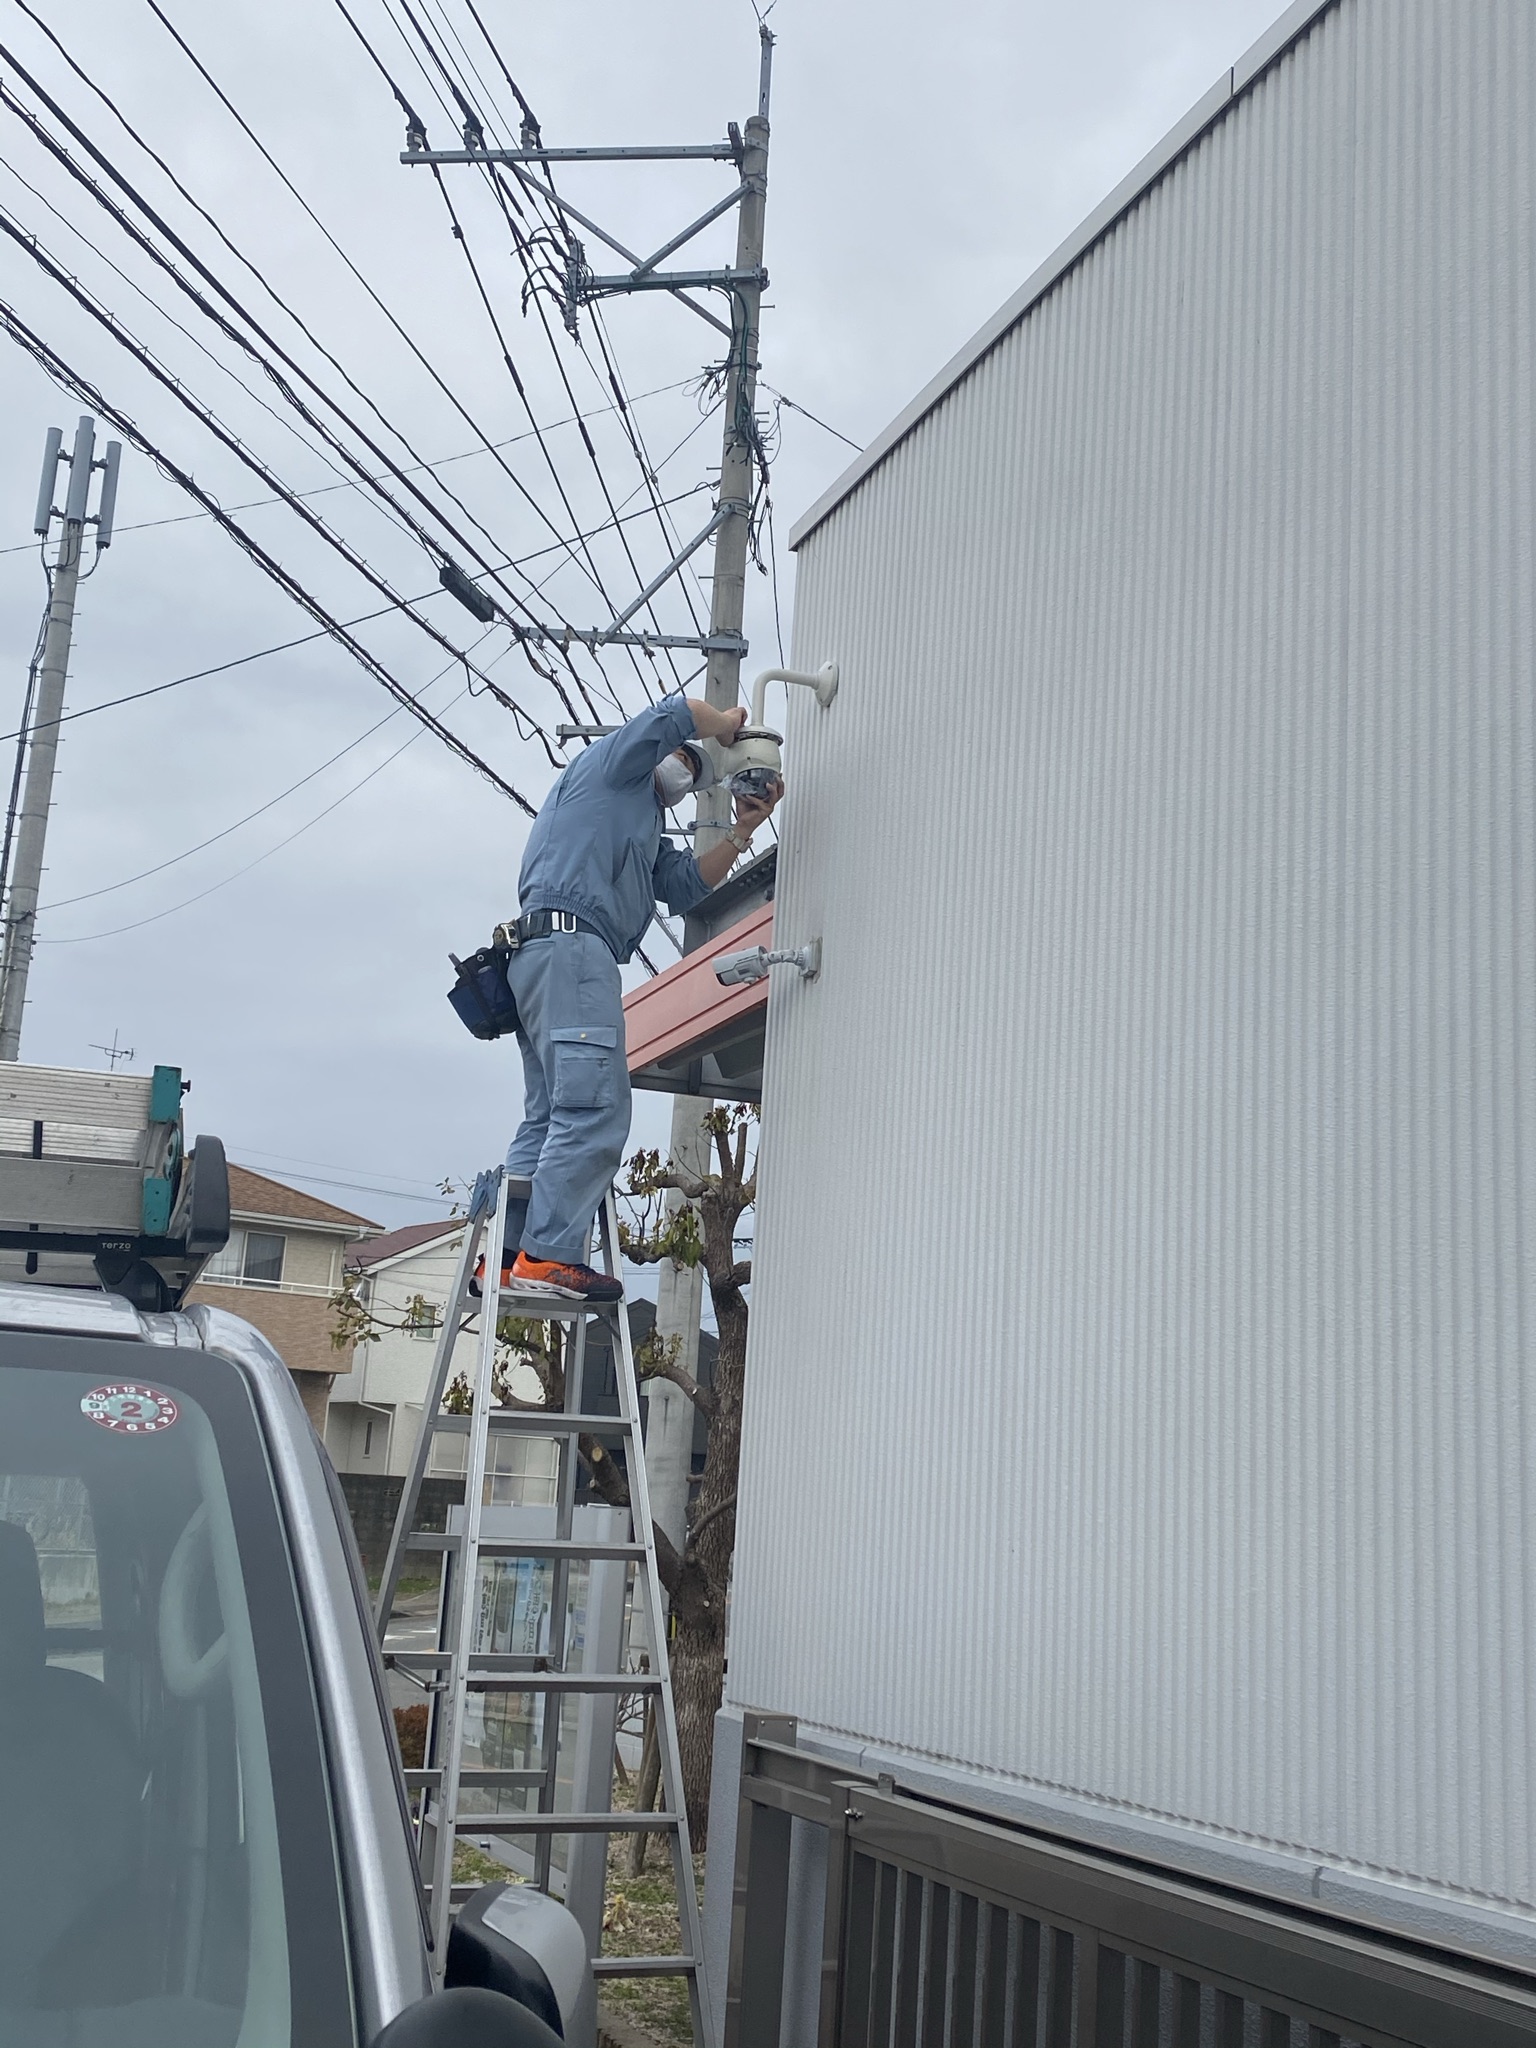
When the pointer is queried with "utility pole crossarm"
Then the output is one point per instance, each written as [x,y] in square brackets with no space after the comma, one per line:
[621,154]
[674,281]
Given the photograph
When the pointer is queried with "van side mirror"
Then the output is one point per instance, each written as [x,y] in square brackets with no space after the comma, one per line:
[524,1944]
[466,2019]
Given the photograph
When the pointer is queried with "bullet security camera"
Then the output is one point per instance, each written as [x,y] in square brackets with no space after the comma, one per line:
[732,969]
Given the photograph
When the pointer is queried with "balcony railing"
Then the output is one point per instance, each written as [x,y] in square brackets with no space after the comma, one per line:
[308,1287]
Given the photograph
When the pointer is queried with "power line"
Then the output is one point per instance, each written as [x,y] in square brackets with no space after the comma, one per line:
[347,483]
[473,126]
[207,418]
[815,420]
[224,369]
[117,931]
[285,646]
[239,255]
[81,387]
[242,341]
[111,888]
[267,156]
[356,1187]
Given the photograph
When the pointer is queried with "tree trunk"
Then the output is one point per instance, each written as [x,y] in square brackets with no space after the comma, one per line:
[646,1781]
[698,1648]
[698,1669]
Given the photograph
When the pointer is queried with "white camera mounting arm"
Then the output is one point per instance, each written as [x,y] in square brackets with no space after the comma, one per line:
[824,683]
[757,745]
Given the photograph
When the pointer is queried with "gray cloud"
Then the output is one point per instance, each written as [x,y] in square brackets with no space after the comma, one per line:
[923,163]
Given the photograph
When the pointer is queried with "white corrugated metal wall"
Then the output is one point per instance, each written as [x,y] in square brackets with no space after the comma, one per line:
[1140,1392]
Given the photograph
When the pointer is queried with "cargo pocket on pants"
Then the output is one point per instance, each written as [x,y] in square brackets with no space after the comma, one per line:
[584,1066]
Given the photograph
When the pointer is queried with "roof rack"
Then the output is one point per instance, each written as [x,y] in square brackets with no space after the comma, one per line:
[98,1188]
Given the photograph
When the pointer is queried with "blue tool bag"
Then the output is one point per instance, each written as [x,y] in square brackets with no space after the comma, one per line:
[482,995]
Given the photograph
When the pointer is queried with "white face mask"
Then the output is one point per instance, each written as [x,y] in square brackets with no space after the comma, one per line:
[673,780]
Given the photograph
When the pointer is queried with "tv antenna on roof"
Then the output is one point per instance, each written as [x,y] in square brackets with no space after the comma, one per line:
[114,1052]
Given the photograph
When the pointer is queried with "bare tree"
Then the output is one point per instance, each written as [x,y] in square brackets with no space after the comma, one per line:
[697,1577]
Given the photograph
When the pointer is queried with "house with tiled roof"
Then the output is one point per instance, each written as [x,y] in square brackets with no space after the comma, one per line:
[403,1279]
[282,1265]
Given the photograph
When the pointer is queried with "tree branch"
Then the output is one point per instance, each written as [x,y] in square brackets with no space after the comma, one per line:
[654,1368]
[669,1566]
[723,1507]
[741,1272]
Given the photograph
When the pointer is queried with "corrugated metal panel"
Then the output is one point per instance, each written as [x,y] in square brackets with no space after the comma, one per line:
[1140,1398]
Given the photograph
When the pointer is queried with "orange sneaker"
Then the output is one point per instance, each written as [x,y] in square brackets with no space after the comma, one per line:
[566,1282]
[477,1278]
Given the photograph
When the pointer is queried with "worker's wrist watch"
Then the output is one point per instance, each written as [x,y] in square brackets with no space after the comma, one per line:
[741,845]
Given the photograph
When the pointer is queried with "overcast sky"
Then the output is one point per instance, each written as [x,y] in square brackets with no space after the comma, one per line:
[924,161]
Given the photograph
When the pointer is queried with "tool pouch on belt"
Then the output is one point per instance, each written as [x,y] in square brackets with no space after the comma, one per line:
[482,995]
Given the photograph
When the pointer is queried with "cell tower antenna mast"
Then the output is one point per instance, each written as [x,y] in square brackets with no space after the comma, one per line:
[40,736]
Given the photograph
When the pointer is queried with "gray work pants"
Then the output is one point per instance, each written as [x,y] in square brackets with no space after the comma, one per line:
[575,1087]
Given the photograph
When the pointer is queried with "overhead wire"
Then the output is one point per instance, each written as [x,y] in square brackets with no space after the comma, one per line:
[474,126]
[413,120]
[158,256]
[561,228]
[144,874]
[531,123]
[214,425]
[537,430]
[138,925]
[347,483]
[218,362]
[80,386]
[261,276]
[280,647]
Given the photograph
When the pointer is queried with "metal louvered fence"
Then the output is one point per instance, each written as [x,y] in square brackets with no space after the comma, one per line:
[944,1929]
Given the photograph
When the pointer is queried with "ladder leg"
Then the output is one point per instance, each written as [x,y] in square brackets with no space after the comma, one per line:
[464,1607]
[568,1466]
[481,1203]
[691,1925]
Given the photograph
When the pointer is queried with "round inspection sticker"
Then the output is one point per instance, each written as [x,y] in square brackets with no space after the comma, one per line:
[129,1409]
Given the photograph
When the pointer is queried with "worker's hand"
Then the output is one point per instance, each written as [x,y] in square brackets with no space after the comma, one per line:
[710,724]
[751,811]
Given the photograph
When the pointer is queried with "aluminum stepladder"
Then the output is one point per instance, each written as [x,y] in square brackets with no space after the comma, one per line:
[456,1669]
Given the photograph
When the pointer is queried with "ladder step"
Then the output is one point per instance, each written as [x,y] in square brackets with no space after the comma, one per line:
[549,1308]
[553,1546]
[475,1780]
[484,1676]
[563,1823]
[527,1546]
[643,1966]
[535,1422]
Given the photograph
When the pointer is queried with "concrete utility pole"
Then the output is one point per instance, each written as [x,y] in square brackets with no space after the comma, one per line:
[20,919]
[680,1295]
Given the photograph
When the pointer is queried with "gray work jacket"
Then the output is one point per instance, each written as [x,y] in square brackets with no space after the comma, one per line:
[596,846]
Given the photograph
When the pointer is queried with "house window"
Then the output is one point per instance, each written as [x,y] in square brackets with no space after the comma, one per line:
[421,1318]
[263,1263]
[225,1264]
[252,1256]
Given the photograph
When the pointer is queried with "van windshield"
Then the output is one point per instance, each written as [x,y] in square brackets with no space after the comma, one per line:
[168,1875]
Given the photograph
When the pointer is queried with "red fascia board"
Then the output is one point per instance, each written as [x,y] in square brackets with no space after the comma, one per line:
[674,1010]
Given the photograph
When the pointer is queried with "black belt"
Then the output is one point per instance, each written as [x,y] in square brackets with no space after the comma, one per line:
[540,924]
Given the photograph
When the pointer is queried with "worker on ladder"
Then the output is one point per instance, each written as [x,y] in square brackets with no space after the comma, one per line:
[595,867]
